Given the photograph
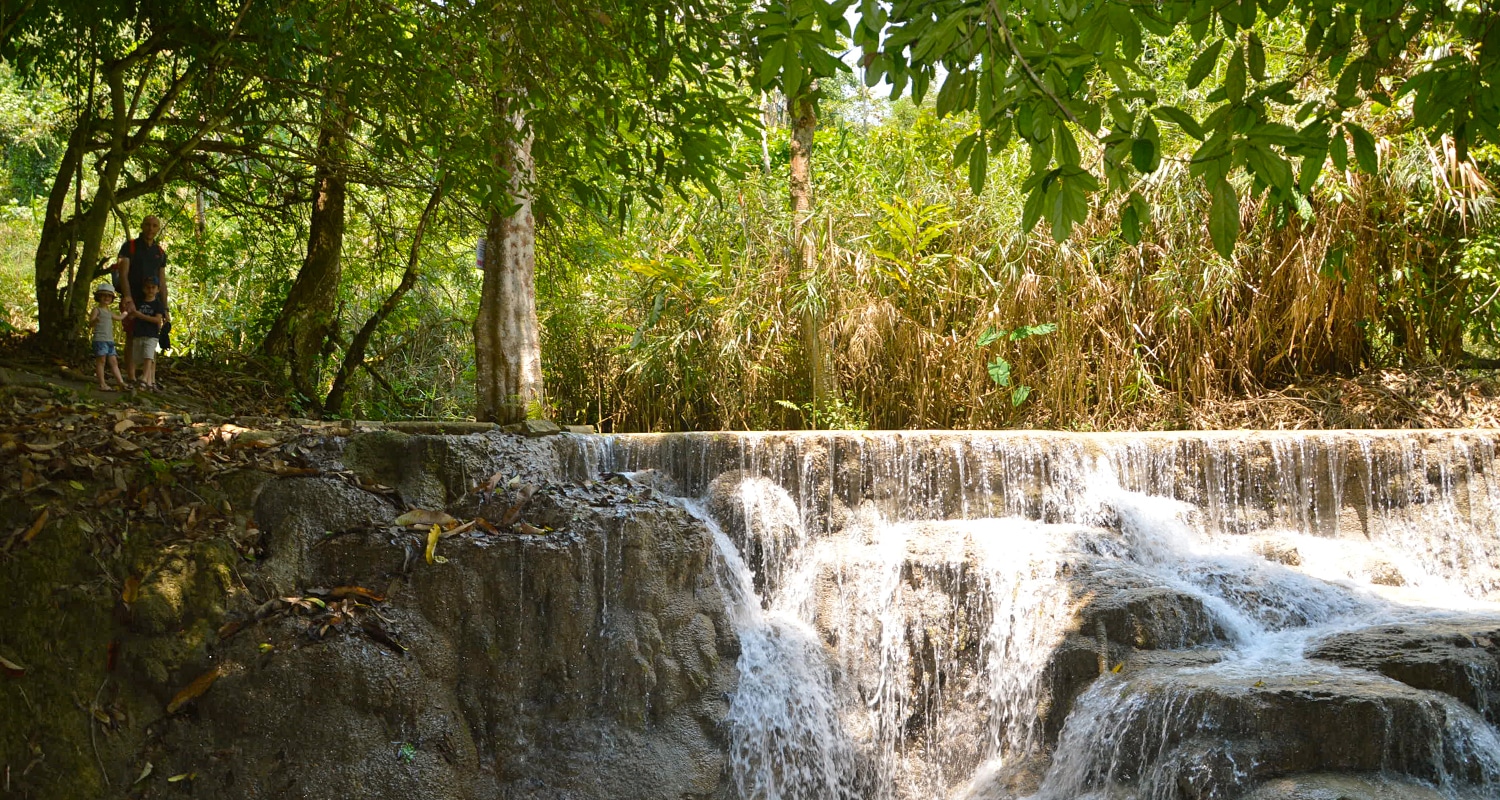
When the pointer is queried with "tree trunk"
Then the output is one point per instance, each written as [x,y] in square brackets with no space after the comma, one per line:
[804,125]
[308,318]
[507,340]
[60,308]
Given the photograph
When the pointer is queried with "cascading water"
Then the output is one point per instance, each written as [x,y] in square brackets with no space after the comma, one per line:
[1058,616]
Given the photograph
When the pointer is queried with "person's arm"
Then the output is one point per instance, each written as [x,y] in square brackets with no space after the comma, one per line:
[127,303]
[161,281]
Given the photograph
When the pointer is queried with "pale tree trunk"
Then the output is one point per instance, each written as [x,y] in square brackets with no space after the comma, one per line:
[307,320]
[804,124]
[507,339]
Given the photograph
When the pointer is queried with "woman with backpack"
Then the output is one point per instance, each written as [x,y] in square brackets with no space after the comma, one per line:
[140,258]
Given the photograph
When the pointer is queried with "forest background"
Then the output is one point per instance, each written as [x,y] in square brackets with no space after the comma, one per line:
[677,285]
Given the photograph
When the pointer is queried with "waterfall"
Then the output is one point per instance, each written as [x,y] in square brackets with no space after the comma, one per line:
[997,615]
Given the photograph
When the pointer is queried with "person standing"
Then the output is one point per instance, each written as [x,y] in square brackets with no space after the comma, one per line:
[149,314]
[140,258]
[103,321]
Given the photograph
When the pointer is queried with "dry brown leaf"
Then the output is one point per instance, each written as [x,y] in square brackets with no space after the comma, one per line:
[464,528]
[356,591]
[43,448]
[124,444]
[131,590]
[124,425]
[529,529]
[36,527]
[194,690]
[424,516]
[11,668]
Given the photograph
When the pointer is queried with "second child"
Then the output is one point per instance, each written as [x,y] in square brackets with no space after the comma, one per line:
[148,315]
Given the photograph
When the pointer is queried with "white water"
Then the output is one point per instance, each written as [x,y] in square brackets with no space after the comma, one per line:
[901,654]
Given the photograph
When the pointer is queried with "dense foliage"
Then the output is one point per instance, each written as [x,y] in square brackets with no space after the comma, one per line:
[1237,197]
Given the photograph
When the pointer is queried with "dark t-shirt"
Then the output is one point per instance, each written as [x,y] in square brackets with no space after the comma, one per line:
[148,259]
[150,308]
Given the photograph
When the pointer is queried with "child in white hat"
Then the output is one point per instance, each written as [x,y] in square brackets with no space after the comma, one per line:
[103,319]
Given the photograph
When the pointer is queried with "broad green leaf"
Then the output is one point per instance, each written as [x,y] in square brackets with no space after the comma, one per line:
[1204,64]
[1234,76]
[1000,372]
[979,157]
[1031,212]
[990,336]
[1143,154]
[1019,394]
[1255,54]
[1181,119]
[1365,153]
[1224,218]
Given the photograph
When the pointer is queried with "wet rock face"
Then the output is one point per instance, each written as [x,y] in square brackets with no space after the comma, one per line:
[1459,658]
[592,660]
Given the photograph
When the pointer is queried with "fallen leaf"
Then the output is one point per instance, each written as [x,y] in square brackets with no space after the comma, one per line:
[194,690]
[528,529]
[124,425]
[432,539]
[185,776]
[378,634]
[265,647]
[11,668]
[356,591]
[36,527]
[131,589]
[43,448]
[467,526]
[424,516]
[1118,667]
[145,772]
[124,444]
[230,628]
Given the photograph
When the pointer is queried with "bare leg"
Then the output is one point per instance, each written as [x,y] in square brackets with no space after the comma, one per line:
[114,364]
[99,373]
[149,372]
[130,356]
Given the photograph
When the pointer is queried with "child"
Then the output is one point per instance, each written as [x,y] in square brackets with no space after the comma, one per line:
[103,319]
[148,316]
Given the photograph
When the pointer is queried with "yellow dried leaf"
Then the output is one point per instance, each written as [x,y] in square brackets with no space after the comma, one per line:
[194,690]
[131,590]
[183,776]
[424,516]
[36,527]
[1118,667]
[145,772]
[432,539]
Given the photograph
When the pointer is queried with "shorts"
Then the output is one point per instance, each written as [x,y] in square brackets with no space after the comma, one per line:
[146,348]
[102,349]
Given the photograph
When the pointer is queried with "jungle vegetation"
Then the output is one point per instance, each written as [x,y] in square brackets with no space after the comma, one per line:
[724,214]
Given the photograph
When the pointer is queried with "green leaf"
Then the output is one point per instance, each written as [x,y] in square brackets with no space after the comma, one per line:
[1365,153]
[1181,119]
[1019,394]
[1234,76]
[978,164]
[1224,218]
[1204,64]
[1143,154]
[1000,372]
[770,66]
[1255,52]
[1338,150]
[1031,213]
[990,336]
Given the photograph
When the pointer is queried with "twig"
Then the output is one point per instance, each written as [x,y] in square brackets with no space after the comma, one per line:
[1010,41]
[93,732]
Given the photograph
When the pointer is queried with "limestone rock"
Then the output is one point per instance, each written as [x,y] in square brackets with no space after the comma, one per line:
[1458,657]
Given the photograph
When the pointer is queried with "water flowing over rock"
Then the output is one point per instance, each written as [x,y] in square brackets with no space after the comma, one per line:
[1153,616]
